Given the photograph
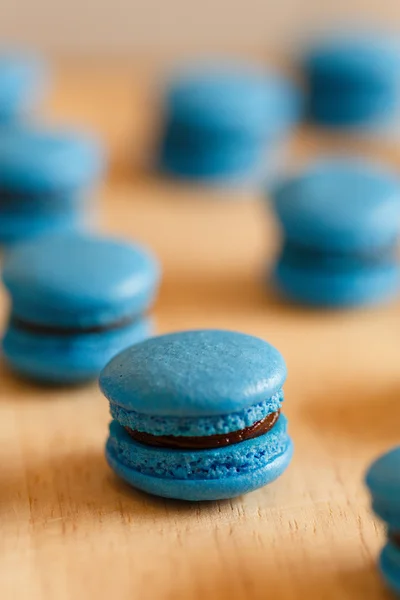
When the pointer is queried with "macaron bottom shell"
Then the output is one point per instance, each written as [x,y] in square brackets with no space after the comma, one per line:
[179,474]
[355,109]
[196,491]
[210,163]
[389,564]
[240,167]
[69,359]
[364,286]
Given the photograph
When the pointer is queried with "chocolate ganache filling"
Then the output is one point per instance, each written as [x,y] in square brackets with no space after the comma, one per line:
[207,441]
[42,329]
[394,537]
[21,195]
[298,254]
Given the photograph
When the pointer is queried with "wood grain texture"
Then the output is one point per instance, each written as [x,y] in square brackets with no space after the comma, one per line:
[71,530]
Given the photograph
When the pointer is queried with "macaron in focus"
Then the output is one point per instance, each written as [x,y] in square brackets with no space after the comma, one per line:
[196,415]
[223,123]
[383,481]
[46,176]
[76,301]
[340,219]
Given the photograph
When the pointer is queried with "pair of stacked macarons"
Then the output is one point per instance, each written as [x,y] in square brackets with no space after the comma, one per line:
[383,481]
[353,82]
[341,224]
[225,124]
[76,301]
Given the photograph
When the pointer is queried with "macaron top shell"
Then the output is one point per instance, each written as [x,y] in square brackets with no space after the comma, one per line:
[364,57]
[230,97]
[22,79]
[79,279]
[48,160]
[194,374]
[383,477]
[340,203]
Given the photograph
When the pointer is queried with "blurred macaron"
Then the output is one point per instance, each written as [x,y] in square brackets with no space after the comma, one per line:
[76,301]
[353,80]
[340,220]
[23,80]
[46,178]
[223,122]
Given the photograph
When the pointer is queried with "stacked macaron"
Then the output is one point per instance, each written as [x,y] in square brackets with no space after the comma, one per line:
[224,124]
[45,178]
[354,81]
[197,415]
[22,82]
[77,300]
[383,481]
[341,223]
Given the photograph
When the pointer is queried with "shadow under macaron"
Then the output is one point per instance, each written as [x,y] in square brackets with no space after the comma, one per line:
[24,388]
[27,388]
[81,486]
[75,494]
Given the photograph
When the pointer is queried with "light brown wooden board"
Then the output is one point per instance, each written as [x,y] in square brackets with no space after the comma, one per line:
[70,530]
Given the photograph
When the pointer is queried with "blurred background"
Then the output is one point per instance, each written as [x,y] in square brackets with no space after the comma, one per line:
[151,36]
[154,28]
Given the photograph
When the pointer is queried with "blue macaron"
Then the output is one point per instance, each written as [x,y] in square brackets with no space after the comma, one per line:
[23,78]
[76,301]
[383,481]
[196,415]
[340,219]
[45,179]
[221,122]
[353,80]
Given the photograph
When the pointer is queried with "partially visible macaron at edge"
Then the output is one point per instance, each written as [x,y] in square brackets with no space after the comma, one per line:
[383,482]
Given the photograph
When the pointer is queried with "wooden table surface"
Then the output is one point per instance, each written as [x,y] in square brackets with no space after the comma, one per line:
[70,530]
